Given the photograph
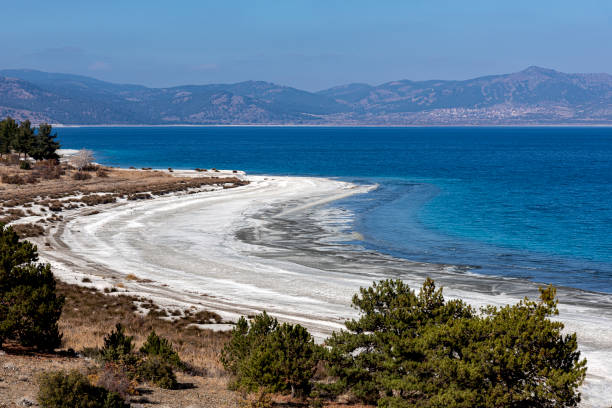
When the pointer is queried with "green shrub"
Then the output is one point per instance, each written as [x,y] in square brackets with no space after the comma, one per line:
[158,372]
[73,390]
[266,355]
[118,348]
[156,368]
[243,338]
[25,165]
[157,346]
[411,349]
[29,306]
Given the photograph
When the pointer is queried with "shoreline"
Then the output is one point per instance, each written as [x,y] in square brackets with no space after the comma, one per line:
[331,125]
[223,254]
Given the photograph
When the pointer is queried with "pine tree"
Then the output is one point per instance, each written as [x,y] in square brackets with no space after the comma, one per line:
[29,306]
[264,355]
[24,138]
[160,347]
[8,132]
[411,350]
[44,145]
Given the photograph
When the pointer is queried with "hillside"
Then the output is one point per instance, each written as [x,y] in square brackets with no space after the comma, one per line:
[532,96]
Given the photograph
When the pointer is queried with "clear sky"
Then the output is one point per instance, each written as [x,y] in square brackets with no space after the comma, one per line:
[306,44]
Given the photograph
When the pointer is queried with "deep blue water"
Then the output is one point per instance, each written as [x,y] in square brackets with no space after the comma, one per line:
[534,203]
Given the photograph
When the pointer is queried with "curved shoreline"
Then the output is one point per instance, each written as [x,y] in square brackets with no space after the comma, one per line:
[197,259]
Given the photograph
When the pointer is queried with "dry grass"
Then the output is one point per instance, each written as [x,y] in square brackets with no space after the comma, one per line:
[55,186]
[28,230]
[89,315]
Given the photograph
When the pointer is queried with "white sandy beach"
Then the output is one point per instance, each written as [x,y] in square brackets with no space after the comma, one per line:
[187,248]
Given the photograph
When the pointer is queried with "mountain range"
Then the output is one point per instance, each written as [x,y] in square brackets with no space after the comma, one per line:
[532,96]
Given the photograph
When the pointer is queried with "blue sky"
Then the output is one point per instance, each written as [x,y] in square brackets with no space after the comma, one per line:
[307,44]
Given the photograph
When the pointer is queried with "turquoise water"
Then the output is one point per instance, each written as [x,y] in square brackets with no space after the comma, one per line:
[534,203]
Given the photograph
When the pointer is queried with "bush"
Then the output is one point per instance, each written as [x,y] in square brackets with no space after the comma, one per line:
[411,349]
[114,378]
[73,390]
[156,346]
[139,196]
[117,346]
[48,170]
[91,167]
[266,355]
[80,175]
[25,165]
[158,372]
[243,339]
[96,199]
[118,350]
[13,179]
[28,230]
[29,306]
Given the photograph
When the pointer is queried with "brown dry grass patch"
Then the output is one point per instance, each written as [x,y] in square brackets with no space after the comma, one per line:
[28,230]
[105,187]
[89,315]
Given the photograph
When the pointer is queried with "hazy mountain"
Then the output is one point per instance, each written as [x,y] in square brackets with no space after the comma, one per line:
[535,95]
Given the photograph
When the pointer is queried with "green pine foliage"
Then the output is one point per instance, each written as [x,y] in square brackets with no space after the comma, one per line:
[118,348]
[160,347]
[155,364]
[263,355]
[73,390]
[411,349]
[22,138]
[29,306]
[8,132]
[243,339]
[43,145]
[159,372]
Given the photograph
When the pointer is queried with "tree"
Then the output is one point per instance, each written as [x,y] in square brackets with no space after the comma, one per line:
[44,145]
[24,138]
[29,306]
[266,355]
[243,338]
[160,347]
[8,132]
[420,350]
[513,356]
[117,346]
[82,159]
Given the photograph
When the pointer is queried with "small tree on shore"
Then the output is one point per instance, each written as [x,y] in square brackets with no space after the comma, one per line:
[82,159]
[8,130]
[22,138]
[29,306]
[44,145]
[264,355]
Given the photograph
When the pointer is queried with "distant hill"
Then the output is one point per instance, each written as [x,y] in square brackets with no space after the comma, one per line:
[532,96]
